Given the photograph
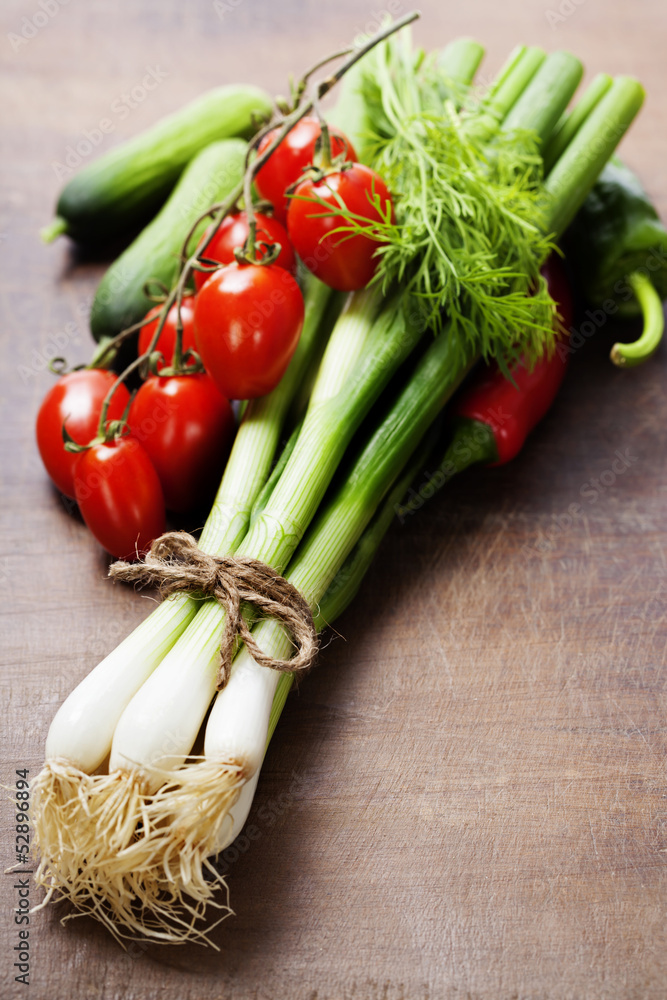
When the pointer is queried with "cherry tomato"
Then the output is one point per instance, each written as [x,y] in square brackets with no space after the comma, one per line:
[340,261]
[119,496]
[233,233]
[288,161]
[186,427]
[248,320]
[167,340]
[77,399]
[555,275]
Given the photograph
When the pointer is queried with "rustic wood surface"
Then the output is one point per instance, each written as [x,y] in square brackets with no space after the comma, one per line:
[467,798]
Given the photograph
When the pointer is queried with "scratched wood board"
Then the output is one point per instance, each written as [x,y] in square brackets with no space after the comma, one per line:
[467,797]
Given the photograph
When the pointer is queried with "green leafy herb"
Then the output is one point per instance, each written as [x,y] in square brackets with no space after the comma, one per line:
[468,239]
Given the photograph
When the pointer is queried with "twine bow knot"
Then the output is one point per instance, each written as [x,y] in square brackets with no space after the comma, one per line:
[175,563]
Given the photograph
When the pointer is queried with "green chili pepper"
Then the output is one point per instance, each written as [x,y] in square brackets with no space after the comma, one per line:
[618,247]
[650,302]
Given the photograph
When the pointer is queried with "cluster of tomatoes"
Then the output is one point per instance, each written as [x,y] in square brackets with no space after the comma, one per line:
[176,436]
[165,447]
[248,318]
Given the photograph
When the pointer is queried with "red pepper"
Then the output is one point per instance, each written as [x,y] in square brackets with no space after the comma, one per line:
[493,417]
[510,410]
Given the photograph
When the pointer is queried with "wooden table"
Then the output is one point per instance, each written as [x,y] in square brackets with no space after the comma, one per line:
[467,798]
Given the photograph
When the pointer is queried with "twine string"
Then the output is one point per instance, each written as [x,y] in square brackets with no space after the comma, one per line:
[176,564]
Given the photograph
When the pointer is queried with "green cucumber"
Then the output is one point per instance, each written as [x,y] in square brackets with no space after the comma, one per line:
[124,189]
[120,300]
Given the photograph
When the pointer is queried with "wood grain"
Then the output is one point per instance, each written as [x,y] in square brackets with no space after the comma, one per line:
[467,798]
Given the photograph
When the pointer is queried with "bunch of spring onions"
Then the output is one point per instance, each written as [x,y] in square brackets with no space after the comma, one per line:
[127,820]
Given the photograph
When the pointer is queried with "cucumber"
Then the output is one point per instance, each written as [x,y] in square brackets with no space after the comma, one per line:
[120,300]
[124,189]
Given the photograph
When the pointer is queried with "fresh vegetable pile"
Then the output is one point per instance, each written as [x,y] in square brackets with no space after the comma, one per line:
[340,282]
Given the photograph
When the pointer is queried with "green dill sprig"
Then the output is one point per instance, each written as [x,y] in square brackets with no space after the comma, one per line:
[468,239]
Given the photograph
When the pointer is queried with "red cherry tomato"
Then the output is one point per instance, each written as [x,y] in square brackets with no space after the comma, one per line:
[167,340]
[343,262]
[76,399]
[186,427]
[286,164]
[119,496]
[233,233]
[248,320]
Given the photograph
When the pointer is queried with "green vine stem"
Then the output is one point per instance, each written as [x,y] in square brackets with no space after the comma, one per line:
[323,155]
[109,346]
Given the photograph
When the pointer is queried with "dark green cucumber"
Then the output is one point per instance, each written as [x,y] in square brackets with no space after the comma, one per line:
[120,300]
[124,189]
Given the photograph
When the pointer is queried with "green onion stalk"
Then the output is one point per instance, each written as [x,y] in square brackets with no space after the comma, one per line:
[470,238]
[340,593]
